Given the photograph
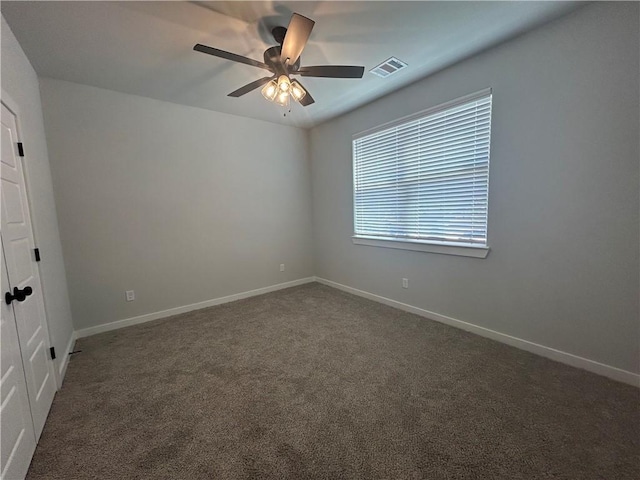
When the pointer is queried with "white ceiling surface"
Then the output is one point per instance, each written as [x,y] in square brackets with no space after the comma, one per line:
[146,48]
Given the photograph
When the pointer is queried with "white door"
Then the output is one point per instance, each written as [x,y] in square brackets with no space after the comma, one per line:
[18,245]
[17,436]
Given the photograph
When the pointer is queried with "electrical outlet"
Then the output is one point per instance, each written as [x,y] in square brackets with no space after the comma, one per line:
[131,295]
[405,283]
[282,267]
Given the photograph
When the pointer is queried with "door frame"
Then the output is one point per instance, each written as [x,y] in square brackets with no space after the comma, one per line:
[15,109]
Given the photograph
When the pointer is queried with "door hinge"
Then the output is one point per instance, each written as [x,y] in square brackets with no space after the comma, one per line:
[52,351]
[36,252]
[20,149]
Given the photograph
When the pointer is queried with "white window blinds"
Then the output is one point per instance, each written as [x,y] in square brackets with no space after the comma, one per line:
[425,178]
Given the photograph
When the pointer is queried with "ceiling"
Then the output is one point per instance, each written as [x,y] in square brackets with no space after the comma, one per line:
[146,48]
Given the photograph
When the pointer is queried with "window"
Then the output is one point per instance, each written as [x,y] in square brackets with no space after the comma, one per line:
[424,180]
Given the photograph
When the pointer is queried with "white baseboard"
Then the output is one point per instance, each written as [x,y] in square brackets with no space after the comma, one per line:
[127,322]
[557,355]
[64,361]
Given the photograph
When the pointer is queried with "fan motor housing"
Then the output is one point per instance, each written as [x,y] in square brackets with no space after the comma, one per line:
[272,58]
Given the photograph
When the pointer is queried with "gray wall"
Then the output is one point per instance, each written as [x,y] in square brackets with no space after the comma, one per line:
[563,207]
[180,204]
[20,82]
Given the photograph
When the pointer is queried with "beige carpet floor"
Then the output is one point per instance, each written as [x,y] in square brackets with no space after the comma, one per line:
[311,382]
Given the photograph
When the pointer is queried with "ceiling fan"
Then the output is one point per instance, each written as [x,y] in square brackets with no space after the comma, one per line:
[283,61]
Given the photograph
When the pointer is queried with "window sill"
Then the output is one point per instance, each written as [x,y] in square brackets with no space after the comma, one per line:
[459,250]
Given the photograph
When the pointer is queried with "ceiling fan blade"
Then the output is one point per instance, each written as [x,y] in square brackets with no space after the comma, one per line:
[249,87]
[296,38]
[307,99]
[230,56]
[331,71]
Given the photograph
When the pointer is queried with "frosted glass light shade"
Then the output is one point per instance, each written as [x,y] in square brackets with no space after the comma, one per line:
[297,92]
[270,91]
[282,98]
[284,84]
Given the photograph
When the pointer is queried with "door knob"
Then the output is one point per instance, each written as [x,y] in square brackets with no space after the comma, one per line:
[19,295]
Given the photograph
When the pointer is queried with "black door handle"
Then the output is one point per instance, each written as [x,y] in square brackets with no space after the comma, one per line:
[19,295]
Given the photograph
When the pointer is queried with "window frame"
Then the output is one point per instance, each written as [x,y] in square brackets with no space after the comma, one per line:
[431,246]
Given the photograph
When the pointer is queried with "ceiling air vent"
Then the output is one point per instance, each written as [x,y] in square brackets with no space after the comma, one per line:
[388,67]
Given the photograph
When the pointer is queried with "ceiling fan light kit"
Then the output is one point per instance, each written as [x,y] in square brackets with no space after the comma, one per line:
[283,61]
[280,91]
